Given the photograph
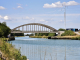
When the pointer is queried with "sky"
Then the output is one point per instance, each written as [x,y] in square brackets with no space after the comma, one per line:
[49,12]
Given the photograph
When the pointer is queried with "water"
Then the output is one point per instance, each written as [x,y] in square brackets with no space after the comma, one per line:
[48,49]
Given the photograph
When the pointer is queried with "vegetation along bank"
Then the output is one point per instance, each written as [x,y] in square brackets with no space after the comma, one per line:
[7,50]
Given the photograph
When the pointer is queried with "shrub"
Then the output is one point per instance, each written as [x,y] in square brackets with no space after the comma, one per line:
[61,29]
[1,33]
[68,33]
[10,51]
[4,30]
[78,38]
[52,34]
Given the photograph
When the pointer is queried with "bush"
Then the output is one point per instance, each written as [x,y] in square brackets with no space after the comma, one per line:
[52,34]
[68,33]
[61,29]
[78,38]
[4,30]
[41,34]
[10,52]
[75,38]
[1,33]
[45,34]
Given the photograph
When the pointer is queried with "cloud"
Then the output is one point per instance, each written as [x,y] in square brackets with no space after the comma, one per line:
[2,8]
[28,18]
[4,18]
[61,21]
[59,4]
[42,20]
[1,17]
[19,7]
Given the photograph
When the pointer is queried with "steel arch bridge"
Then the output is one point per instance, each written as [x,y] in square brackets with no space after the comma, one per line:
[34,28]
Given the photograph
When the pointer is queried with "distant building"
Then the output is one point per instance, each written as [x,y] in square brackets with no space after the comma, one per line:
[72,29]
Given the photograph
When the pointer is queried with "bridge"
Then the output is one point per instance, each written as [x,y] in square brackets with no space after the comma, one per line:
[34,28]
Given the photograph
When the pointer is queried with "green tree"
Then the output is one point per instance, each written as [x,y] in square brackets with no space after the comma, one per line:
[68,33]
[1,33]
[4,23]
[61,29]
[5,29]
[52,34]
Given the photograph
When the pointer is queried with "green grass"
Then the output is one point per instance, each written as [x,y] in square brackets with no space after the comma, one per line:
[76,38]
[9,51]
[68,33]
[38,36]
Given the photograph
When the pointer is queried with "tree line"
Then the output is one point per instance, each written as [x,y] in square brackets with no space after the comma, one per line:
[4,29]
[45,34]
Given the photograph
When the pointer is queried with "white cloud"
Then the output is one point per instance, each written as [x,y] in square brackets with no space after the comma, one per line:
[42,20]
[19,7]
[70,3]
[59,4]
[28,18]
[2,8]
[1,17]
[6,17]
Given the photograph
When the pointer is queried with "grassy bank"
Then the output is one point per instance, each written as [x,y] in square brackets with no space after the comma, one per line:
[38,36]
[54,36]
[19,36]
[9,52]
[59,37]
[5,39]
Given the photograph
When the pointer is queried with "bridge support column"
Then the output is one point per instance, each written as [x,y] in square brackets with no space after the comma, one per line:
[44,28]
[40,28]
[26,27]
[30,27]
[36,27]
[22,28]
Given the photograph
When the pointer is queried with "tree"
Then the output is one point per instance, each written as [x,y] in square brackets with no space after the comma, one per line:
[68,33]
[5,30]
[61,29]
[1,33]
[4,23]
[52,34]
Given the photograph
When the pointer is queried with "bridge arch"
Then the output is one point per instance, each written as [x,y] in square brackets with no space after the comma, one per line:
[34,28]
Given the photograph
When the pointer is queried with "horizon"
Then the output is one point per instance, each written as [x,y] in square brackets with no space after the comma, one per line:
[51,13]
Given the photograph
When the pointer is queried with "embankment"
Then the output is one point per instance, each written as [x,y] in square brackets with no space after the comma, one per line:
[38,36]
[58,37]
[9,52]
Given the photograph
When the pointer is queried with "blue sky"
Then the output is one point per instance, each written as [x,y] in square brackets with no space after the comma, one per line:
[49,12]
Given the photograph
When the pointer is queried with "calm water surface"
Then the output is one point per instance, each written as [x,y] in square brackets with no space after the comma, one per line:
[48,49]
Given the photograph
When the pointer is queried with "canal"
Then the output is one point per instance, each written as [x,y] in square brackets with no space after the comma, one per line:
[48,49]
